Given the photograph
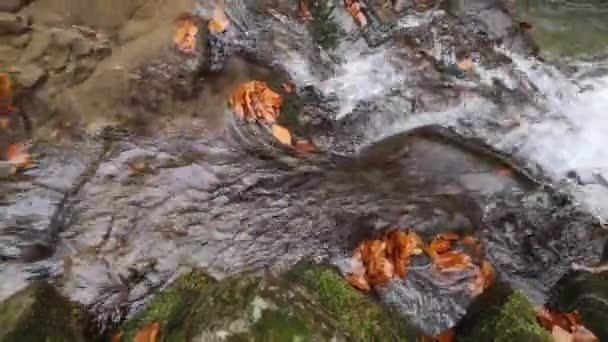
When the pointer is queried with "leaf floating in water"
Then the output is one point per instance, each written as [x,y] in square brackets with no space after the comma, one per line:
[149,333]
[18,156]
[282,134]
[219,23]
[304,146]
[452,260]
[304,10]
[354,8]
[254,100]
[185,33]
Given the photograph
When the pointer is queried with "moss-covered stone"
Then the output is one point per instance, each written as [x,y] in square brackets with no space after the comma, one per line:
[318,306]
[588,294]
[501,314]
[40,313]
[357,315]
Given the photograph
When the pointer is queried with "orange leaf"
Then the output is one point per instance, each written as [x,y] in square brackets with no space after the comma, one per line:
[485,277]
[446,335]
[117,336]
[354,8]
[468,240]
[254,100]
[185,33]
[219,23]
[358,281]
[18,156]
[149,333]
[282,134]
[440,245]
[452,260]
[304,146]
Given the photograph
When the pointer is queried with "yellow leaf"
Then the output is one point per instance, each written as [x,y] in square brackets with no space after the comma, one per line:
[282,134]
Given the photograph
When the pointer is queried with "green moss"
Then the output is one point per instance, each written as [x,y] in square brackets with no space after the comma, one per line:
[40,313]
[501,314]
[323,28]
[168,305]
[276,326]
[356,314]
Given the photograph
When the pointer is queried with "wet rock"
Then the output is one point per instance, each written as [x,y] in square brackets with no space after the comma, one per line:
[38,45]
[586,292]
[40,313]
[501,314]
[314,303]
[13,23]
[28,76]
[12,5]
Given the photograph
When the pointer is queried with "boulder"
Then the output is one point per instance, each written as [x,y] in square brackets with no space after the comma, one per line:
[40,313]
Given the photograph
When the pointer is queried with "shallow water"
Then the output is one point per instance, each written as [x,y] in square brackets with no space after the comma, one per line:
[229,199]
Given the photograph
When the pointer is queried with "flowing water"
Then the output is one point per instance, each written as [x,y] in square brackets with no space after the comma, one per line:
[403,146]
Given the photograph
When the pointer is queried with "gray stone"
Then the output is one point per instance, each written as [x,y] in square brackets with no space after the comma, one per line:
[29,75]
[39,43]
[13,23]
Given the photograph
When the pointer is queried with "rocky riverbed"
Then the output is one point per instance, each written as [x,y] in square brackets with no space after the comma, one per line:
[143,173]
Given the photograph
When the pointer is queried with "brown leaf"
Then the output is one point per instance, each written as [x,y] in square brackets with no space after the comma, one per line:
[445,336]
[448,236]
[6,94]
[149,333]
[354,8]
[548,319]
[465,64]
[469,240]
[304,10]
[304,146]
[18,156]
[254,100]
[117,336]
[219,23]
[452,260]
[440,245]
[485,277]
[5,123]
[358,281]
[288,87]
[185,33]
[282,134]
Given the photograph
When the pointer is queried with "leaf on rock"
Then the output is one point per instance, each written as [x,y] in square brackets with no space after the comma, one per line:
[465,64]
[304,10]
[448,236]
[564,326]
[440,245]
[185,33]
[446,335]
[282,134]
[149,333]
[254,100]
[354,8]
[452,260]
[6,94]
[219,23]
[17,155]
[358,281]
[304,146]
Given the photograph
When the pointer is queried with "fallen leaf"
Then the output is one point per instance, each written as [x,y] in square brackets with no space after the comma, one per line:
[452,260]
[282,134]
[149,333]
[358,281]
[304,146]
[441,245]
[469,240]
[254,100]
[354,8]
[573,317]
[17,155]
[288,87]
[117,336]
[6,94]
[219,23]
[445,336]
[485,277]
[185,33]
[465,64]
[304,10]
[448,236]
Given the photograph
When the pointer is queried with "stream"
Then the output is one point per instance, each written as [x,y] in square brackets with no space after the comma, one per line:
[112,217]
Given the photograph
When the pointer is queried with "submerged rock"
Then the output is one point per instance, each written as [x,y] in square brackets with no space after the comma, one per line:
[311,303]
[40,313]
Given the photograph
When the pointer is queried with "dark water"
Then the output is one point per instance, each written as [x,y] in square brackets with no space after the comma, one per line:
[113,218]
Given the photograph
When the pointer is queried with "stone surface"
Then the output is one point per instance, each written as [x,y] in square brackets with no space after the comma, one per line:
[40,313]
[37,46]
[13,23]
[11,5]
[29,75]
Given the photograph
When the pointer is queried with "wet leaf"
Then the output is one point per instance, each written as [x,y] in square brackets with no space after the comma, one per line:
[445,336]
[117,336]
[254,100]
[6,94]
[17,155]
[149,333]
[485,277]
[304,146]
[448,236]
[282,134]
[452,260]
[354,8]
[288,87]
[304,9]
[358,281]
[440,245]
[185,33]
[465,64]
[219,23]
[469,240]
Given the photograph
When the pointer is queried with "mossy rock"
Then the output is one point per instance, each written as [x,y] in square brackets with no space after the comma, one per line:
[318,306]
[588,294]
[501,314]
[40,313]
